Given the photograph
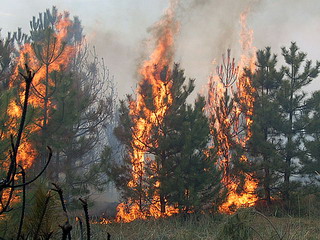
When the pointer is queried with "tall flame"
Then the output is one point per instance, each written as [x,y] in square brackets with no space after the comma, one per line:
[160,60]
[234,126]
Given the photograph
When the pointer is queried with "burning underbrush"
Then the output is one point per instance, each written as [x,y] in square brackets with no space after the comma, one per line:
[209,227]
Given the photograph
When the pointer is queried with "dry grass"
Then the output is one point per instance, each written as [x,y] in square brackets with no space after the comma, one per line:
[207,227]
[289,228]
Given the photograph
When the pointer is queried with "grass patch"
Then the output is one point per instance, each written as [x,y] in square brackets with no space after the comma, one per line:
[208,227]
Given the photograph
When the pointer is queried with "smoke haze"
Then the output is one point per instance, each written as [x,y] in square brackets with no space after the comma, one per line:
[118,29]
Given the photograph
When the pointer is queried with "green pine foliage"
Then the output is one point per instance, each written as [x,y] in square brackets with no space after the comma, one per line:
[311,155]
[76,105]
[298,73]
[282,117]
[6,95]
[237,226]
[194,182]
[263,144]
[43,214]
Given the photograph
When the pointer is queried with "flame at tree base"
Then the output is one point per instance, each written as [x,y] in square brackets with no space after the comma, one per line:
[235,200]
[128,212]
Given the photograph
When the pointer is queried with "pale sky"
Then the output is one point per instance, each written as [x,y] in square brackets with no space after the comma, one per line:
[207,28]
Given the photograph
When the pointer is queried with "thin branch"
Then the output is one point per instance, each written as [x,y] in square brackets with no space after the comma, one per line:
[23,173]
[44,168]
[265,217]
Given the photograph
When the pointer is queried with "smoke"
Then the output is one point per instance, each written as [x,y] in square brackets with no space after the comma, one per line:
[119,56]
[208,29]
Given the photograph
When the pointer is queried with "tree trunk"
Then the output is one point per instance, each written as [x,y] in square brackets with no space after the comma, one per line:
[162,204]
[286,195]
[44,131]
[287,170]
[266,184]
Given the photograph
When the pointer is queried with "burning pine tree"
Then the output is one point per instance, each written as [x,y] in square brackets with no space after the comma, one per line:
[144,118]
[168,169]
[48,52]
[67,109]
[230,109]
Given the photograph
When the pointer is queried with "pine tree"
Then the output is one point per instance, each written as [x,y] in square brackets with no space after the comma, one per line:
[263,143]
[6,95]
[50,46]
[230,109]
[83,107]
[7,52]
[291,99]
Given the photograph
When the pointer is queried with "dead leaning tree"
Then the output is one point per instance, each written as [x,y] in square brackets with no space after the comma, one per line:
[8,183]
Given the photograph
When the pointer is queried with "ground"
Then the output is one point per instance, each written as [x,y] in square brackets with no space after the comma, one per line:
[211,227]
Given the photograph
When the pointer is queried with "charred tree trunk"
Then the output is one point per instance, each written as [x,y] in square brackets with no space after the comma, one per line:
[86,213]
[162,204]
[162,170]
[141,187]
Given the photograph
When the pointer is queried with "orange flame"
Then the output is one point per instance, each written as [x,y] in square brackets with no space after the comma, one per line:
[161,57]
[234,127]
[59,57]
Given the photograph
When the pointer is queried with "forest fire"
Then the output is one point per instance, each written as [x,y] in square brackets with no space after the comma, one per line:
[160,61]
[126,125]
[44,58]
[230,105]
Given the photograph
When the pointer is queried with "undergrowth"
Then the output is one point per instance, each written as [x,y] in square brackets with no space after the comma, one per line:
[246,224]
